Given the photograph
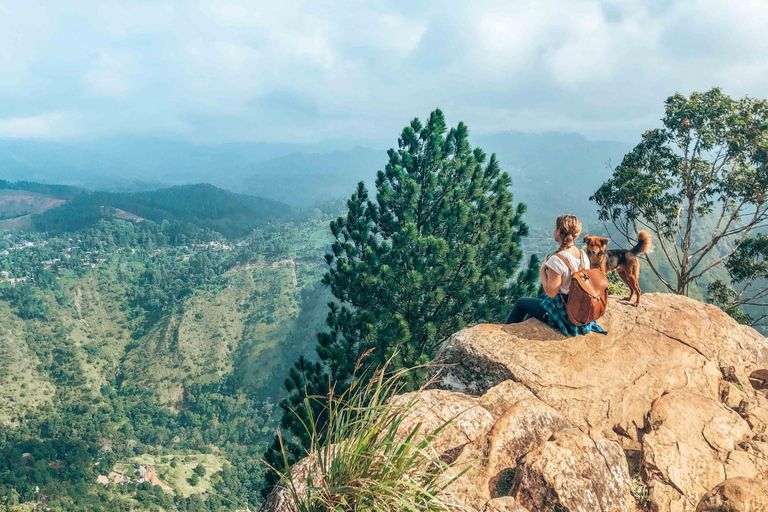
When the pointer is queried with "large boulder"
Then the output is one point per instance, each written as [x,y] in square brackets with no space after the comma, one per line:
[461,418]
[486,465]
[736,495]
[574,473]
[524,427]
[669,342]
[687,446]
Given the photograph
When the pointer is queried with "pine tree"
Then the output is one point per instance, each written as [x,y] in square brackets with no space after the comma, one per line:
[436,251]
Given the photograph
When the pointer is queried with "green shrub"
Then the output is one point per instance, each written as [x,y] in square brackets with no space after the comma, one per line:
[640,491]
[362,461]
[616,286]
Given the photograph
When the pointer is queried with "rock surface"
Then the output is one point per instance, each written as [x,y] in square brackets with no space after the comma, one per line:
[573,472]
[666,413]
[524,427]
[668,342]
[504,504]
[432,408]
[685,450]
[281,498]
[736,495]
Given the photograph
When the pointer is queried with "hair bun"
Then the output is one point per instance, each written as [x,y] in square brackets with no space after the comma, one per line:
[569,227]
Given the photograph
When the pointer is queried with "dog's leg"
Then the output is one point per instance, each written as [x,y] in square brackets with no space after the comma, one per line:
[625,277]
[635,287]
[637,284]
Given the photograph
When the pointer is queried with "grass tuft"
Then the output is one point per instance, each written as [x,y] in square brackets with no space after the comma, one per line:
[367,458]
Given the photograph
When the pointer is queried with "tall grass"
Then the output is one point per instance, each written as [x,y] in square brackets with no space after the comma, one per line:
[367,458]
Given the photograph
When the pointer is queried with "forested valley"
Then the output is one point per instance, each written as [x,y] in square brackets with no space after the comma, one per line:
[131,343]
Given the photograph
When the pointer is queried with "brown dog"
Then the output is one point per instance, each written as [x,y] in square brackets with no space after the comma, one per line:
[624,261]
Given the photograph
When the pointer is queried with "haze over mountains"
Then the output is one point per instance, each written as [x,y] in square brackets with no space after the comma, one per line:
[301,175]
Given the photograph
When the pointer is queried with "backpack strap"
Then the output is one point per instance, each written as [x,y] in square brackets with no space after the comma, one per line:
[582,260]
[579,276]
[567,263]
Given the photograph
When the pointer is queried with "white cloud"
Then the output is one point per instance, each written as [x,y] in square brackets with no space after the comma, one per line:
[114,74]
[124,19]
[43,126]
[259,69]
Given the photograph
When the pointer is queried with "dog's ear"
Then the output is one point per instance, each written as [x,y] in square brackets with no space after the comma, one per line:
[587,239]
[604,241]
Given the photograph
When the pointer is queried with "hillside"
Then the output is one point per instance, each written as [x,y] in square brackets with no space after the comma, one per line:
[668,412]
[119,348]
[66,209]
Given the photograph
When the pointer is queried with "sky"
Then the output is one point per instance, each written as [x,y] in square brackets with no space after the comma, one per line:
[217,71]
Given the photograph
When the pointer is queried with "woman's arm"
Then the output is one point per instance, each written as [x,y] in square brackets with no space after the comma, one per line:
[550,280]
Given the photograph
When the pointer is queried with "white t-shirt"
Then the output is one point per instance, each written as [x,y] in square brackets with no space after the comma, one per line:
[557,265]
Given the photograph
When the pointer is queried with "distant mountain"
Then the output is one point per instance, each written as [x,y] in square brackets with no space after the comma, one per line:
[133,163]
[202,205]
[303,179]
[562,167]
[554,173]
[565,167]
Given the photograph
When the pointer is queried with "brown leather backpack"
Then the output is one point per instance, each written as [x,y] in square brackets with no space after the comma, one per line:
[588,296]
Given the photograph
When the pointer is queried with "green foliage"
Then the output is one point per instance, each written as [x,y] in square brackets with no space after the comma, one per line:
[640,491]
[361,458]
[616,286]
[121,335]
[433,254]
[748,272]
[27,302]
[699,183]
[436,251]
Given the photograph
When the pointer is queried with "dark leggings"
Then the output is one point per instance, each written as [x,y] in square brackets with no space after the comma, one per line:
[527,307]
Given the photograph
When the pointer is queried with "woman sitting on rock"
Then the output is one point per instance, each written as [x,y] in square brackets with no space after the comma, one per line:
[549,307]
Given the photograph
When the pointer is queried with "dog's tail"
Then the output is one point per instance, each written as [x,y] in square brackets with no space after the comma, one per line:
[643,243]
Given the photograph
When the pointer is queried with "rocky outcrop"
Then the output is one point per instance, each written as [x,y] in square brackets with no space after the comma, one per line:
[281,498]
[672,385]
[434,408]
[667,413]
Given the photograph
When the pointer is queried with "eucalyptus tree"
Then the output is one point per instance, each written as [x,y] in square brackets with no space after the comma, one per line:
[699,183]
